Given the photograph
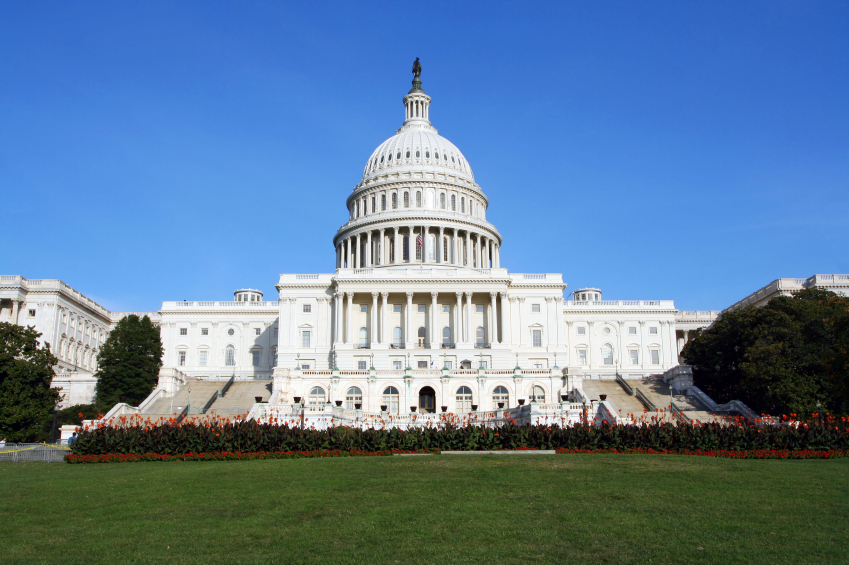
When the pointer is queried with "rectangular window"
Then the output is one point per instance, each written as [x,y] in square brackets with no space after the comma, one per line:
[478,307]
[632,331]
[181,358]
[257,331]
[204,331]
[534,307]
[305,366]
[184,331]
[446,308]
[31,313]
[397,365]
[655,357]
[483,365]
[255,358]
[653,331]
[447,365]
[307,308]
[202,357]
[537,338]
[582,356]
[396,307]
[363,307]
[582,331]
[538,366]
[635,357]
[305,339]
[361,365]
[421,307]
[422,364]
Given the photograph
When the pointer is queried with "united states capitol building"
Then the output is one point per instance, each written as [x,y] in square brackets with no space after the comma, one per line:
[419,314]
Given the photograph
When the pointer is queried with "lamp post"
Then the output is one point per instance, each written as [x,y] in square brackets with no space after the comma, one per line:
[189,402]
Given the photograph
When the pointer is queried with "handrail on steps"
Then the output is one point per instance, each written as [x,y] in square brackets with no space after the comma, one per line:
[644,399]
[183,414]
[628,388]
[209,402]
[228,385]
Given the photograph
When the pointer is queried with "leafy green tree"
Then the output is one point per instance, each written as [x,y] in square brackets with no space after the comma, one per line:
[26,372]
[129,362]
[775,358]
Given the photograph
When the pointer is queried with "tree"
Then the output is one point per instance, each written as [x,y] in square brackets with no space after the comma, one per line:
[129,362]
[774,358]
[26,372]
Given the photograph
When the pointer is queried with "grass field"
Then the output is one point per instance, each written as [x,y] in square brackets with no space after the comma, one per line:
[429,509]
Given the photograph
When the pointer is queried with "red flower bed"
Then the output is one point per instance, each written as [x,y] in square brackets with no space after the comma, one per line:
[728,453]
[230,456]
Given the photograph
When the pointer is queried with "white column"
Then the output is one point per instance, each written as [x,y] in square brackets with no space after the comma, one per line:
[383,333]
[644,352]
[440,247]
[433,331]
[350,245]
[470,335]
[591,353]
[458,319]
[358,251]
[550,317]
[409,321]
[506,319]
[558,305]
[468,252]
[493,319]
[370,252]
[373,336]
[349,317]
[382,247]
[337,337]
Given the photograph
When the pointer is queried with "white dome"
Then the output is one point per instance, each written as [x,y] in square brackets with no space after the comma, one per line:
[417,150]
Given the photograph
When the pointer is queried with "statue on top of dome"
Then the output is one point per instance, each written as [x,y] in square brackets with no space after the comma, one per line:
[417,68]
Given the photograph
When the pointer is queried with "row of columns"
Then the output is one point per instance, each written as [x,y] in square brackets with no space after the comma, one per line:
[379,333]
[464,248]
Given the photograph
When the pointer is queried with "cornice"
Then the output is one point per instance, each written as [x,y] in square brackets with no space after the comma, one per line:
[412,221]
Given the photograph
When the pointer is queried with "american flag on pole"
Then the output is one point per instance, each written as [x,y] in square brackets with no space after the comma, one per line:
[419,242]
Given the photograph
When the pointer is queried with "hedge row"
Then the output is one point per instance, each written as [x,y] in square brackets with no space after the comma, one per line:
[230,456]
[252,437]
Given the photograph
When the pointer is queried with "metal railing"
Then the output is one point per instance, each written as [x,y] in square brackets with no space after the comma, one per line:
[44,452]
[645,400]
[397,346]
[628,388]
[483,346]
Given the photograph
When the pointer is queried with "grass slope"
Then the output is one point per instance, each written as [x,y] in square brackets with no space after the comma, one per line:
[429,509]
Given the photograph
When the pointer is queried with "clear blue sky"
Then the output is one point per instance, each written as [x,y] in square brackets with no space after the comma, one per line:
[692,151]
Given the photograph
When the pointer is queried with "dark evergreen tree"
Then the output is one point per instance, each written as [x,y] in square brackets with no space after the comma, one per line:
[26,372]
[775,358]
[128,363]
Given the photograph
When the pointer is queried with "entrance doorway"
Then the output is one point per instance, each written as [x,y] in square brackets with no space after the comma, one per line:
[427,400]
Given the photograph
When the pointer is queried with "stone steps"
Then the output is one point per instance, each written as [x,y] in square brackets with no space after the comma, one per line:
[240,397]
[622,403]
[201,392]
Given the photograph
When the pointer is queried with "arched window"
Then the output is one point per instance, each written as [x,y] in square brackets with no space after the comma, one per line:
[442,201]
[446,336]
[394,201]
[537,394]
[417,154]
[453,202]
[418,198]
[406,200]
[391,249]
[365,206]
[383,202]
[391,399]
[358,208]
[316,396]
[230,356]
[363,337]
[427,154]
[436,154]
[418,251]
[479,342]
[445,257]
[607,354]
[354,397]
[422,335]
[463,205]
[408,153]
[464,399]
[398,156]
[396,337]
[500,394]
[406,251]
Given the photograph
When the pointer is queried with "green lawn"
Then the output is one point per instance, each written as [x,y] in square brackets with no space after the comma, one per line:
[429,509]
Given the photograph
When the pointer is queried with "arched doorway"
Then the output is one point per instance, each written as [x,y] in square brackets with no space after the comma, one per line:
[427,400]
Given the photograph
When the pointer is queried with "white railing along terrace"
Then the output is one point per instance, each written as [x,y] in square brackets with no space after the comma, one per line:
[595,303]
[219,304]
[436,272]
